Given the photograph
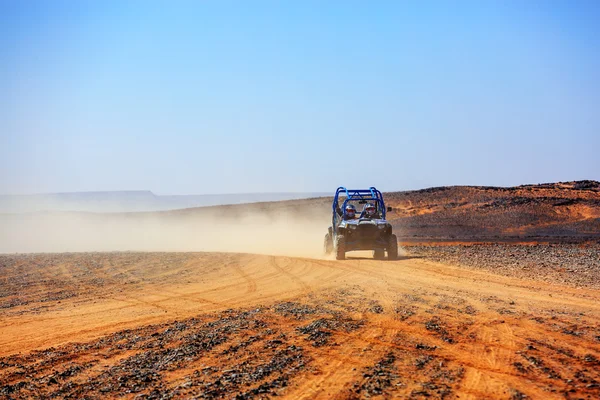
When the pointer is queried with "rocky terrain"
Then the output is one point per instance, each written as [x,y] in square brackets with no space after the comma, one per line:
[569,264]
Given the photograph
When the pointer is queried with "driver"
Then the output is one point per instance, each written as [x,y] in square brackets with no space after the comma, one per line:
[371,212]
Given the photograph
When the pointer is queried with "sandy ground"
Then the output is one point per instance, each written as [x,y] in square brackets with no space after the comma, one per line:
[212,325]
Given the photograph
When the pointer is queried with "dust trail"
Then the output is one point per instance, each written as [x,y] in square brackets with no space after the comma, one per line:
[269,232]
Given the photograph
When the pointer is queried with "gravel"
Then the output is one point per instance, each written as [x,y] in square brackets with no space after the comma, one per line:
[569,264]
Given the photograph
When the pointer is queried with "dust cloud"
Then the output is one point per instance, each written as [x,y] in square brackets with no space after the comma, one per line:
[282,233]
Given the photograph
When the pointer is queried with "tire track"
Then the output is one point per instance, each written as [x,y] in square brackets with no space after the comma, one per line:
[275,264]
[250,282]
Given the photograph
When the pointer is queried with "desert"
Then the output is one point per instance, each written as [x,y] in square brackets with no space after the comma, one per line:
[503,304]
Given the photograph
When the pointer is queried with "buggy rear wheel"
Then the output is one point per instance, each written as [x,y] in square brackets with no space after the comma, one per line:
[379,254]
[327,244]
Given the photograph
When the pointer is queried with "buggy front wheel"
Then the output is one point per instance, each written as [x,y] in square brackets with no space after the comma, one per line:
[392,249]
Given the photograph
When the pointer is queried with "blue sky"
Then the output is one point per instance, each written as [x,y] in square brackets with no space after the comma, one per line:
[271,96]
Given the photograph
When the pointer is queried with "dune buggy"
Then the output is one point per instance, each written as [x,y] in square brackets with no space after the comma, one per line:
[361,232]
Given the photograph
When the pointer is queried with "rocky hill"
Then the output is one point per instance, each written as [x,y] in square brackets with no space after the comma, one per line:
[550,211]
[563,211]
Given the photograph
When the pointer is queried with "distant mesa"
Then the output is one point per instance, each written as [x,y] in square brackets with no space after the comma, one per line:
[132,201]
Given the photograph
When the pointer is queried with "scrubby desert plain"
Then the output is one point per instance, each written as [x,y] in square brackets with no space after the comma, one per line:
[496,295]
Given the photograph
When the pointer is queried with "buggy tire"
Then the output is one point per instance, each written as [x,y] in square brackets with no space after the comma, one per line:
[379,254]
[327,244]
[340,247]
[392,249]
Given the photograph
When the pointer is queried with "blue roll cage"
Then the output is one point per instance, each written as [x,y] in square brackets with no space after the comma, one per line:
[371,194]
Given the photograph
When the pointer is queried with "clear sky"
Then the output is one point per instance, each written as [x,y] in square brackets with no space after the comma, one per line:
[270,96]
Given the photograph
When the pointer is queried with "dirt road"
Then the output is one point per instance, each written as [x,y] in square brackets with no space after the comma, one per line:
[216,324]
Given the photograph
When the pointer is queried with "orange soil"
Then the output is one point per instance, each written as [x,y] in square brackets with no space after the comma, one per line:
[497,325]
